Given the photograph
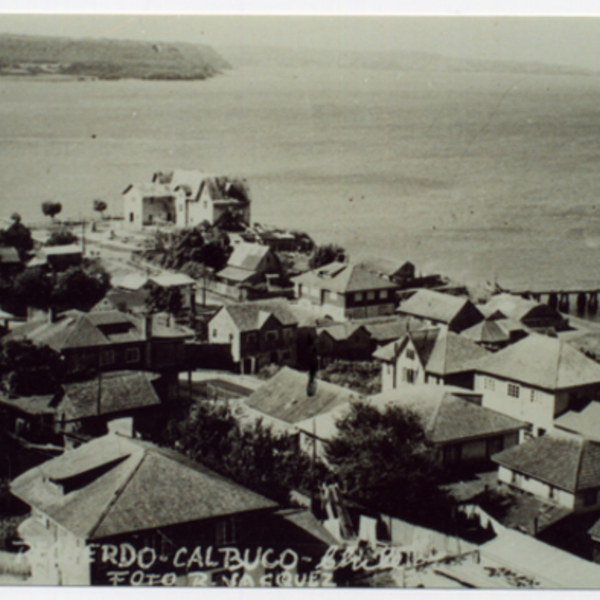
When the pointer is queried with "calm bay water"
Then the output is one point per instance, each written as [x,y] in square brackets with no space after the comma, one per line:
[479,176]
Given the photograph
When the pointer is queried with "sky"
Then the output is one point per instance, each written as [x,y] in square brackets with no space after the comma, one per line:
[556,40]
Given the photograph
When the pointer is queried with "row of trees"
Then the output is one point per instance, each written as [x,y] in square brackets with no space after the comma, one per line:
[51,208]
[39,287]
[381,459]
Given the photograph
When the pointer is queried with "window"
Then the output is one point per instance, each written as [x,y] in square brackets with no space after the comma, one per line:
[590,497]
[226,532]
[552,493]
[541,432]
[370,295]
[132,355]
[272,335]
[358,297]
[409,375]
[383,294]
[251,338]
[131,217]
[214,333]
[410,354]
[107,358]
[205,204]
[489,384]
[513,390]
[231,338]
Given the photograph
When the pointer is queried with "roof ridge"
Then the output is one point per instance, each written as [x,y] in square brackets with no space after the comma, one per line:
[434,417]
[78,319]
[117,494]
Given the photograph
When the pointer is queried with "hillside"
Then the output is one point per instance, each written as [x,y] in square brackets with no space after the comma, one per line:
[277,57]
[106,59]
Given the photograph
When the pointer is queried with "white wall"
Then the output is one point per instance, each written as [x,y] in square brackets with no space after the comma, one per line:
[220,329]
[536,487]
[403,362]
[539,411]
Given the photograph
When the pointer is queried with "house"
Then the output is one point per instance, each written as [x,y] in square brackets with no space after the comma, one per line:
[561,467]
[430,355]
[217,200]
[259,333]
[58,258]
[10,261]
[437,308]
[283,403]
[384,331]
[398,271]
[461,432]
[85,406]
[534,315]
[345,291]
[536,380]
[184,284]
[118,510]
[187,199]
[109,341]
[585,421]
[347,341]
[249,267]
[148,204]
[496,334]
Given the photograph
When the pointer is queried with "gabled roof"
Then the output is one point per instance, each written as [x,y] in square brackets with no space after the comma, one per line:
[586,422]
[171,279]
[391,329]
[150,190]
[541,361]
[112,392]
[563,460]
[114,485]
[284,397]
[247,256]
[382,265]
[339,331]
[247,316]
[436,306]
[343,278]
[131,281]
[516,307]
[235,274]
[444,416]
[9,256]
[440,351]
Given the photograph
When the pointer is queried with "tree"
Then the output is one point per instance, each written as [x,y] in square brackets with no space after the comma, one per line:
[51,209]
[27,369]
[362,376]
[77,288]
[100,206]
[17,235]
[33,287]
[323,255]
[384,461]
[254,456]
[62,237]
[164,300]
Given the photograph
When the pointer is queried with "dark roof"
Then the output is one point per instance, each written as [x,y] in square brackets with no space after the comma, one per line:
[285,397]
[339,331]
[440,351]
[119,391]
[391,329]
[436,306]
[9,256]
[518,308]
[492,332]
[446,417]
[76,329]
[251,316]
[114,485]
[343,278]
[306,520]
[32,405]
[566,461]
[557,365]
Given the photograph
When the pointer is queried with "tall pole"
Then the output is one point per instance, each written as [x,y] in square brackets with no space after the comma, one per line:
[83,237]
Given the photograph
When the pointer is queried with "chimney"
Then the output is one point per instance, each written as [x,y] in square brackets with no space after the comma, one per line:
[147,327]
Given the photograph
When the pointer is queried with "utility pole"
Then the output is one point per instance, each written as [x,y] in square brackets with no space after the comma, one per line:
[83,237]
